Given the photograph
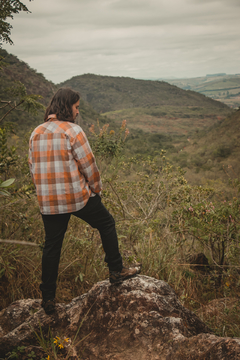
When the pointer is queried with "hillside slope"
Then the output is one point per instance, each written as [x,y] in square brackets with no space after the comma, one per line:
[35,83]
[17,70]
[162,109]
[108,93]
[224,88]
[215,153]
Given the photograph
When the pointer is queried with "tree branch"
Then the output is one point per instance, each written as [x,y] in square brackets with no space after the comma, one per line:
[12,108]
[18,242]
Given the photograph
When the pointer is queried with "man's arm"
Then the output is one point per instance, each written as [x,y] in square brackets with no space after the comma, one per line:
[83,154]
[30,158]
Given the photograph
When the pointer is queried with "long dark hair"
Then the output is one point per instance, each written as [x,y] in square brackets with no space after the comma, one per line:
[61,104]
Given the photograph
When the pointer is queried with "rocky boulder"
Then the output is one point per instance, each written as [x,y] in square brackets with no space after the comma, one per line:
[140,319]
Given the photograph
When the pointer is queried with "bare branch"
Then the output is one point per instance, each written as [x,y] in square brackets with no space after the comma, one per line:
[18,242]
[12,108]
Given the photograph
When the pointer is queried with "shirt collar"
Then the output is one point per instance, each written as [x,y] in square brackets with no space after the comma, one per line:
[52,117]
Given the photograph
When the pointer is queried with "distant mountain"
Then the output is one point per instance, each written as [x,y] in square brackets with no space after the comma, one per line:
[108,93]
[221,87]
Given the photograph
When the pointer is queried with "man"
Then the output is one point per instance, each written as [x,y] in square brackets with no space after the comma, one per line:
[67,182]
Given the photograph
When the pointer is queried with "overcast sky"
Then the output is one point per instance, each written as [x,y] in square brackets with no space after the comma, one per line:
[135,38]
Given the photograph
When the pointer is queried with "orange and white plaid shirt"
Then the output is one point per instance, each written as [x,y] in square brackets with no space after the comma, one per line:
[62,167]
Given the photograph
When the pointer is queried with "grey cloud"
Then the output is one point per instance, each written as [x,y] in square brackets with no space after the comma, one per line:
[132,38]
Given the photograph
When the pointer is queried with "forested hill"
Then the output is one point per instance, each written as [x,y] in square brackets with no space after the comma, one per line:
[16,70]
[221,87]
[107,93]
[151,106]
[216,148]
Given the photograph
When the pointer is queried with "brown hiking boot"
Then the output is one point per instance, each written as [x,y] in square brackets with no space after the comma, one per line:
[117,277]
[48,306]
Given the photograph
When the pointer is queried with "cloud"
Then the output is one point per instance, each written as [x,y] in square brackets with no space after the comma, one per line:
[135,38]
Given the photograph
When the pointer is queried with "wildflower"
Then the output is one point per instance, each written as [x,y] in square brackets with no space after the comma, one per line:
[92,129]
[112,132]
[105,127]
[56,340]
[124,123]
[66,340]
[190,209]
[48,358]
[61,346]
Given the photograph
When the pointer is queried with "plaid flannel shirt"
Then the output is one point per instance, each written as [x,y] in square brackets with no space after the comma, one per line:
[62,167]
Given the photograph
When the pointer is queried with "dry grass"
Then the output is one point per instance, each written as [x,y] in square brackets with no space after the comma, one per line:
[222,315]
[169,120]
[150,240]
[82,265]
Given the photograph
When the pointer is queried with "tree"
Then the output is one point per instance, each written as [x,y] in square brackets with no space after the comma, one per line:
[8,8]
[24,101]
[20,99]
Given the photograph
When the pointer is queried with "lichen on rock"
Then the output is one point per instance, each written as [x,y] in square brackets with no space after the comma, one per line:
[140,319]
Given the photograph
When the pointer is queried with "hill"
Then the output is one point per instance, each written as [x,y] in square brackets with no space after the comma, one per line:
[35,83]
[221,87]
[152,106]
[108,93]
[213,154]
[163,111]
[16,71]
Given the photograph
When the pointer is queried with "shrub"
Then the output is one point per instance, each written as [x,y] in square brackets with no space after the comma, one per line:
[222,151]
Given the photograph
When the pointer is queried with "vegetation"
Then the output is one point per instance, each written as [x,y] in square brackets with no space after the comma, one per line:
[163,220]
[210,156]
[22,89]
[168,119]
[8,8]
[108,93]
[158,114]
[222,87]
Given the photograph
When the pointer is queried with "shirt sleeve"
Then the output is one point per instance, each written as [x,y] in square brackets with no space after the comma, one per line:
[30,157]
[85,159]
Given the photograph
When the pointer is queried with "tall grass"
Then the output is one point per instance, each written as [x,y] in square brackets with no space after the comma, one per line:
[150,202]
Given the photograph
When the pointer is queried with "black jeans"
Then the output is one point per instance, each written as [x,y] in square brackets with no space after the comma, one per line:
[96,215]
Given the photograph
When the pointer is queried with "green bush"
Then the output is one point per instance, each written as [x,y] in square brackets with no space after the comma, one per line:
[222,151]
[160,220]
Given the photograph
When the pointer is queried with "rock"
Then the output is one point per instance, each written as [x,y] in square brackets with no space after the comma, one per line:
[139,319]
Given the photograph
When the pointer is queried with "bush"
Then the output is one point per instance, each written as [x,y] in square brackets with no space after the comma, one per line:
[160,220]
[222,151]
